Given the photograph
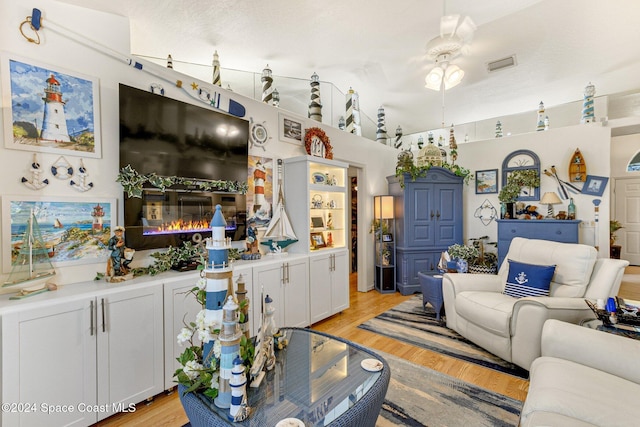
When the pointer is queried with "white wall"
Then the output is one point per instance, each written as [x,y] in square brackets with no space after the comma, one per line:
[375,160]
[110,34]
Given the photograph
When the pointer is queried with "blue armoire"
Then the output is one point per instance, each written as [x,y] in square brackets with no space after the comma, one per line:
[428,221]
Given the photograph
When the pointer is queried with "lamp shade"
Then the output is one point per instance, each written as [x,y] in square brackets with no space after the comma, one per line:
[433,80]
[550,198]
[452,76]
[383,207]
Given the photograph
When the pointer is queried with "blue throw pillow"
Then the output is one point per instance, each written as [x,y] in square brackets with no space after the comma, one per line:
[528,280]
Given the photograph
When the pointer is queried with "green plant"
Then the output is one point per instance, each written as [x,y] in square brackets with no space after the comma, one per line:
[133,182]
[194,373]
[173,256]
[487,259]
[614,225]
[516,181]
[421,171]
[379,226]
[466,252]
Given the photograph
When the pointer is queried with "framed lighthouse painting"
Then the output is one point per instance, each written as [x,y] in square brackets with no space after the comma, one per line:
[50,110]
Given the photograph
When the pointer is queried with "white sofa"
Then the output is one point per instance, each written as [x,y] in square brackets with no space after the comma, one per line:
[511,327]
[584,378]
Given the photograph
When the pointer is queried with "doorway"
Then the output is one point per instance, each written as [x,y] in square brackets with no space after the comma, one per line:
[627,211]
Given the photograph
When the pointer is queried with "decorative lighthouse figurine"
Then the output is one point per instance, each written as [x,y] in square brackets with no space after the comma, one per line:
[229,338]
[381,132]
[540,117]
[216,69]
[315,106]
[353,113]
[54,123]
[218,275]
[267,80]
[453,145]
[241,296]
[587,104]
[398,142]
[238,411]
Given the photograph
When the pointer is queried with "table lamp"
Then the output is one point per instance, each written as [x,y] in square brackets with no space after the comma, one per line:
[550,198]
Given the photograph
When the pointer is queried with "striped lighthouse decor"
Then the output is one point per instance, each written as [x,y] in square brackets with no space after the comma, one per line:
[169,61]
[229,338]
[218,275]
[540,117]
[353,113]
[398,141]
[267,81]
[587,104]
[238,385]
[216,69]
[315,106]
[54,123]
[259,201]
[381,132]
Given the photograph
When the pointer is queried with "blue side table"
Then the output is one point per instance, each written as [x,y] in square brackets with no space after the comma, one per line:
[432,292]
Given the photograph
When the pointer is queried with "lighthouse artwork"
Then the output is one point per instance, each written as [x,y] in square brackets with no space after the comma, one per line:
[52,111]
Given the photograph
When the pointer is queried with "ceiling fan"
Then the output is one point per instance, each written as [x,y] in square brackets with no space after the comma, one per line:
[455,38]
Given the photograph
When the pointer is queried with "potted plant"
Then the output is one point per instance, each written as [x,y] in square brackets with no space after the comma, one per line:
[463,255]
[516,181]
[485,262]
[614,225]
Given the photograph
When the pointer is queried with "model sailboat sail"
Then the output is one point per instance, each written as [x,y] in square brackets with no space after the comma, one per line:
[32,261]
[280,233]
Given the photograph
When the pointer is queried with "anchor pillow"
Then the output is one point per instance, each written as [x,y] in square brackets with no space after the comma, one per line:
[528,280]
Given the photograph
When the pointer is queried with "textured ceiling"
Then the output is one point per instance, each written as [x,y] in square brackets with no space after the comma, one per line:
[378,48]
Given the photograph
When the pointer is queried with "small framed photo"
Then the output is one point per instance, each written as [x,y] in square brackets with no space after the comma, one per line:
[487,181]
[317,241]
[317,222]
[291,129]
[387,237]
[595,185]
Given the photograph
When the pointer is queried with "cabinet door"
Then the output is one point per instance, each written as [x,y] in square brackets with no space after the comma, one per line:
[268,280]
[448,207]
[420,214]
[340,282]
[130,344]
[180,307]
[49,357]
[296,294]
[320,289]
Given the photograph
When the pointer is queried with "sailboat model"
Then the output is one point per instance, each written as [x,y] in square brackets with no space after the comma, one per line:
[33,256]
[280,233]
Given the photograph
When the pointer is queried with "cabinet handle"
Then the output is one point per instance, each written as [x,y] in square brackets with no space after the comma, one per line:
[103,316]
[287,270]
[438,214]
[431,214]
[91,316]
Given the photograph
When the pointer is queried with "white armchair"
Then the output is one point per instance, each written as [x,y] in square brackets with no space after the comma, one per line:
[511,327]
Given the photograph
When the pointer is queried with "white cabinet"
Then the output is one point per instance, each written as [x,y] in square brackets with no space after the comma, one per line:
[287,283]
[130,344]
[92,355]
[328,284]
[49,357]
[320,222]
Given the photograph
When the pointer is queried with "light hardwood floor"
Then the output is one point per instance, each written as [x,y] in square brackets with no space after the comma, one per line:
[166,410]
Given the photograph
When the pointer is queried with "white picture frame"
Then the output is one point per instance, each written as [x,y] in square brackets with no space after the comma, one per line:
[78,239]
[73,109]
[291,129]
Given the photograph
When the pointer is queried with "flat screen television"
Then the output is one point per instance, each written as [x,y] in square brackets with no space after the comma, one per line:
[174,138]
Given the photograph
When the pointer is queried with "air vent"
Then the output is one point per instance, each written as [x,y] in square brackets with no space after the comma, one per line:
[509,61]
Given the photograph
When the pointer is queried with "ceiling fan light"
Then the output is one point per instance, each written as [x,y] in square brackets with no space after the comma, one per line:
[452,76]
[448,24]
[433,80]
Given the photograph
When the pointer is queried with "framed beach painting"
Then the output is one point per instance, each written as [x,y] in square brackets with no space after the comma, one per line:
[487,181]
[291,129]
[51,110]
[74,230]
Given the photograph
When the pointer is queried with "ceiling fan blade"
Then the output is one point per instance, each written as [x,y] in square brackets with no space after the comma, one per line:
[448,25]
[466,29]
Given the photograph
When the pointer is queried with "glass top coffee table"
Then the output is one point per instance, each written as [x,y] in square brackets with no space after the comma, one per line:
[318,379]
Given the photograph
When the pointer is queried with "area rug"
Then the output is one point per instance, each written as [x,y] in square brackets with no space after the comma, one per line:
[415,325]
[418,396]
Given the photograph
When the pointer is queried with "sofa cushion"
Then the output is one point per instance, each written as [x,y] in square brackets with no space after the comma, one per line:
[488,310]
[528,280]
[578,391]
[574,263]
